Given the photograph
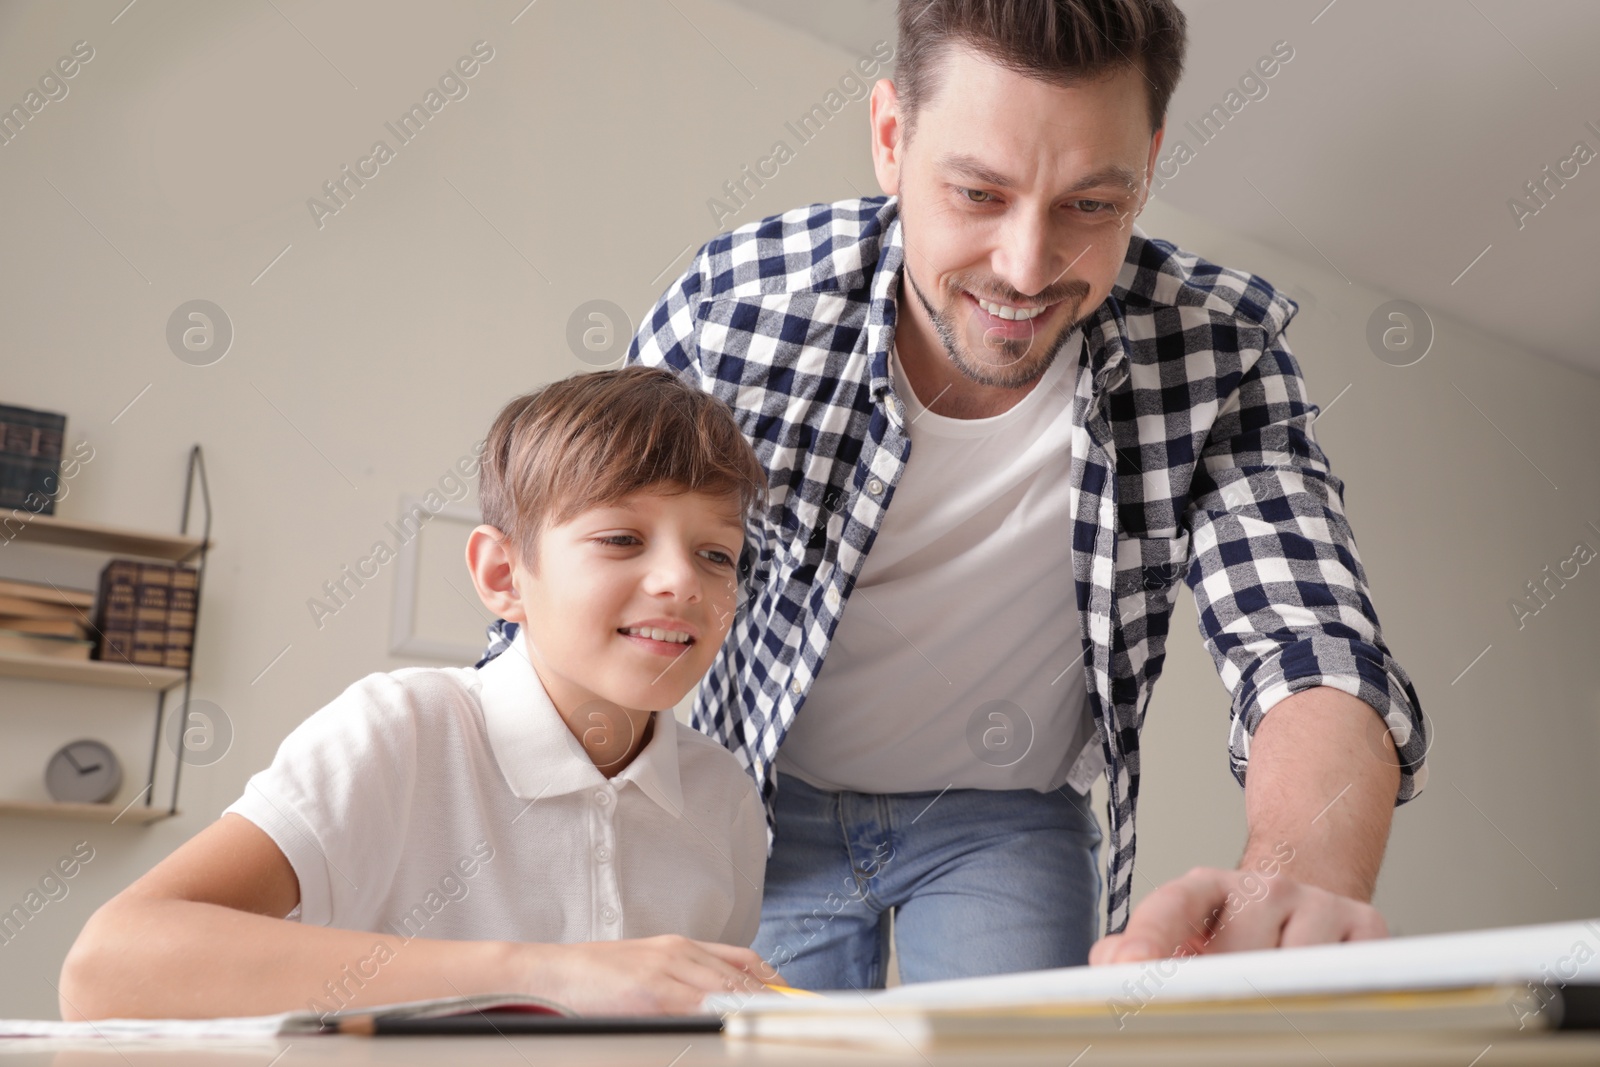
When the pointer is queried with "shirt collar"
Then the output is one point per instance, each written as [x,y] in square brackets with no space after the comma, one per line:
[882,309]
[537,754]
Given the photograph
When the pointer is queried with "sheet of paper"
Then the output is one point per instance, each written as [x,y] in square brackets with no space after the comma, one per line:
[253,1027]
[1557,953]
[250,1028]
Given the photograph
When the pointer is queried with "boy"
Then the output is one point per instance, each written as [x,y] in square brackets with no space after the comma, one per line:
[538,826]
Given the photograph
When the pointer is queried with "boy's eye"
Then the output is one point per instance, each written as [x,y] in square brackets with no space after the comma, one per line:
[718,557]
[618,539]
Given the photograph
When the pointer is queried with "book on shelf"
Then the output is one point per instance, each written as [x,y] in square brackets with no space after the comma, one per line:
[14,643]
[182,605]
[38,609]
[30,458]
[44,627]
[146,613]
[151,600]
[47,592]
[41,609]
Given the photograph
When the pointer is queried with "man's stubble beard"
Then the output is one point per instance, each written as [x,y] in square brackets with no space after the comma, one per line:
[1017,371]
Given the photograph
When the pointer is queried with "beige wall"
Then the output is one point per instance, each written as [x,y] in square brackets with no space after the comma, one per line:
[371,356]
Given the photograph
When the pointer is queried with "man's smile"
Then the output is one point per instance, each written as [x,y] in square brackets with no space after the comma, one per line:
[1009,322]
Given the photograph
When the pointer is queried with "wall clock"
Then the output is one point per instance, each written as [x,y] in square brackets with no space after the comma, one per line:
[83,772]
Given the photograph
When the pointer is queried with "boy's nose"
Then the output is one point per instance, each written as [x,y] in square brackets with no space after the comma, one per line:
[674,573]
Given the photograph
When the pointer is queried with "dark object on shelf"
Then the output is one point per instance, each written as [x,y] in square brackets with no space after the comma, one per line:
[146,613]
[30,458]
[150,599]
[181,609]
[113,618]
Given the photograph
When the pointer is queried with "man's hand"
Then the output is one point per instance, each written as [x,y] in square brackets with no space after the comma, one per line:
[1212,910]
[666,975]
[1319,797]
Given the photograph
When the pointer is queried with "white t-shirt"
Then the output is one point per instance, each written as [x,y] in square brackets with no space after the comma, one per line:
[454,803]
[958,658]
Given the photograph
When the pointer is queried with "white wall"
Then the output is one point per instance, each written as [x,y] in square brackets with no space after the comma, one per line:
[372,355]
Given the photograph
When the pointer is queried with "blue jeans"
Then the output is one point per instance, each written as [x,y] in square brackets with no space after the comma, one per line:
[980,882]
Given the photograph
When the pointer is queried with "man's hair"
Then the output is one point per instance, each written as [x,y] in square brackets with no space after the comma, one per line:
[592,439]
[1063,42]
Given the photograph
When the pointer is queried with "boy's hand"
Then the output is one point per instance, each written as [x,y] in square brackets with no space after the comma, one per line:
[665,975]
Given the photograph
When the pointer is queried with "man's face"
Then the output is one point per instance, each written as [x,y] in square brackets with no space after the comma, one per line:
[1013,192]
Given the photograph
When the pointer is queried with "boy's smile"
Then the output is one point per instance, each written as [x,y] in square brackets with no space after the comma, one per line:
[661,636]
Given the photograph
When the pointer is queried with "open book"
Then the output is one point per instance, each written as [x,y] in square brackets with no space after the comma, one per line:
[1513,979]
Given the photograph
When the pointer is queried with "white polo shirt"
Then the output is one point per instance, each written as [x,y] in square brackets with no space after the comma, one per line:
[455,803]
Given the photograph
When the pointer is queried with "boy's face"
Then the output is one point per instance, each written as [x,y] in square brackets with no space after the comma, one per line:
[631,600]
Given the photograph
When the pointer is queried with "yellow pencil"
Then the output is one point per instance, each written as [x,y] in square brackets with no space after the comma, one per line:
[790,991]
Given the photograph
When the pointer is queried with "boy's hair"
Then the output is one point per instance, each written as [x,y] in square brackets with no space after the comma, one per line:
[1058,41]
[594,438]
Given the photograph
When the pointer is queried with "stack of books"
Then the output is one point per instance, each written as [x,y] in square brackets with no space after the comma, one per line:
[44,620]
[146,613]
[30,458]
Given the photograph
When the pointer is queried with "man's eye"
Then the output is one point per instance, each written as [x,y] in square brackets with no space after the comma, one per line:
[978,192]
[1097,207]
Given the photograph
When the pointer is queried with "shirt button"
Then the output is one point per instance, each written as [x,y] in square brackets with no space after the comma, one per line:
[796,687]
[608,913]
[874,487]
[602,798]
[831,598]
[602,854]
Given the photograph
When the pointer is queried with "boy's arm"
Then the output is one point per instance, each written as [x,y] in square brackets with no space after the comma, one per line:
[202,935]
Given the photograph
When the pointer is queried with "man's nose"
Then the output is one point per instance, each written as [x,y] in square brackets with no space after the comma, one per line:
[1031,255]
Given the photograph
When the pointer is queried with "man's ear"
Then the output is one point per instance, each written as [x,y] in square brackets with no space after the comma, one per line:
[491,560]
[888,149]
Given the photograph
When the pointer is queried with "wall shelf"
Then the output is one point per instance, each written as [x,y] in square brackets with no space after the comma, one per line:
[49,530]
[91,672]
[137,814]
[160,681]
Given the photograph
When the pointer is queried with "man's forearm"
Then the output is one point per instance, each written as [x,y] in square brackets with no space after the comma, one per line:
[1322,778]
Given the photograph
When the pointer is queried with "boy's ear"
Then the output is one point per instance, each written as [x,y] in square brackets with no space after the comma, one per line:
[490,561]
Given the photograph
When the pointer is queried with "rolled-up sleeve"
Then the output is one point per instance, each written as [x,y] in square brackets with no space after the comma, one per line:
[1279,586]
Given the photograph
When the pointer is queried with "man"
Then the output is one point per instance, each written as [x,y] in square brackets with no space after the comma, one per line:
[1006,422]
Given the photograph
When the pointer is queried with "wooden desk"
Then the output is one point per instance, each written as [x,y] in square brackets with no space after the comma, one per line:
[1335,1050]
